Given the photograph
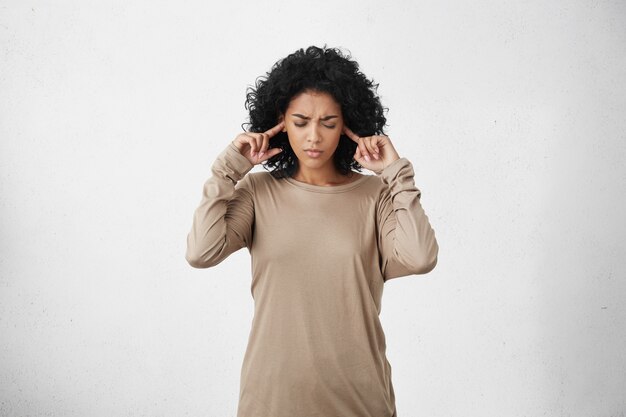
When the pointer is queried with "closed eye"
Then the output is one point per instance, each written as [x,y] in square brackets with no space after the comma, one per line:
[304,124]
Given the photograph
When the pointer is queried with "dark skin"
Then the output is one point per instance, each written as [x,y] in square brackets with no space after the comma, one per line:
[379,146]
[254,146]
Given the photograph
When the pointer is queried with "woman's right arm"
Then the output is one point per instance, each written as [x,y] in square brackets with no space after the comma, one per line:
[222,223]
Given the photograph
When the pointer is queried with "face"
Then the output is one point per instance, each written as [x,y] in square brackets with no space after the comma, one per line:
[313,120]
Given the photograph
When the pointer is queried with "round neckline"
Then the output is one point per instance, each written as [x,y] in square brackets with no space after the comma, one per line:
[328,188]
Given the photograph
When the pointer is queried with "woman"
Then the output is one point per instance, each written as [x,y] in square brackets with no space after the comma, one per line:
[323,238]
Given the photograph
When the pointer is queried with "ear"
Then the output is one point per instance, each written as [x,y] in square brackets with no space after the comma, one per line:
[281,118]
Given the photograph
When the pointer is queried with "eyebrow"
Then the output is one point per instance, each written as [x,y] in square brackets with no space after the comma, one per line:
[308,118]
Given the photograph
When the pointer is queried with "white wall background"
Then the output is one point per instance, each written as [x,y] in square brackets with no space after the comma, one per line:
[512,112]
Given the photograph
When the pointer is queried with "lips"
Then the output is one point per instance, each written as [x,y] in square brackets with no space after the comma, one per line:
[313,153]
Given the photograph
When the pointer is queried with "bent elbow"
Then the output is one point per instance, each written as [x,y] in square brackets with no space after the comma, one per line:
[428,266]
[194,261]
[414,262]
[201,255]
[198,261]
[427,262]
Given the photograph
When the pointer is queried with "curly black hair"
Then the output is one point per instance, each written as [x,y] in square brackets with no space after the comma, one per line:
[318,69]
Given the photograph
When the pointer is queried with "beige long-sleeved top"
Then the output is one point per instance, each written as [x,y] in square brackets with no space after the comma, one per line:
[320,257]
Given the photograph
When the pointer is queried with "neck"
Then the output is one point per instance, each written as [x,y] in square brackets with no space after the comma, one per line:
[320,176]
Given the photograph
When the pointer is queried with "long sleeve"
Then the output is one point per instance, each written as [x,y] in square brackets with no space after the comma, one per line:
[406,239]
[223,222]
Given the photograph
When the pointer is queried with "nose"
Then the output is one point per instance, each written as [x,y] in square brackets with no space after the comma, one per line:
[314,134]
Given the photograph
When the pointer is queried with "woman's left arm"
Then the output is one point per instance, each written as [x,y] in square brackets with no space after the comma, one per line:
[406,240]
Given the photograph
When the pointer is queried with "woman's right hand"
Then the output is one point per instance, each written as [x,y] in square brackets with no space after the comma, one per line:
[254,145]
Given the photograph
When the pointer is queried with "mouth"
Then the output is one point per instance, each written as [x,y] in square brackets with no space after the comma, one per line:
[313,153]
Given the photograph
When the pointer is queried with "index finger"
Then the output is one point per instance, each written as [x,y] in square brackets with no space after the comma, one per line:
[350,134]
[271,132]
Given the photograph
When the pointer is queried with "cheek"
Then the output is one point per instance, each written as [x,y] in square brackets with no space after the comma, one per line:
[295,139]
[334,135]
[294,133]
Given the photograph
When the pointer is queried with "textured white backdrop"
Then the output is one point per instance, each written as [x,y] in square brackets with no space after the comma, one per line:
[512,112]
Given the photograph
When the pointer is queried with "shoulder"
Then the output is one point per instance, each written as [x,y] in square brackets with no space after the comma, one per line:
[261,177]
[259,180]
[373,182]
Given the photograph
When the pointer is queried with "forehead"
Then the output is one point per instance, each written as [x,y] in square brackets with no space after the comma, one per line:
[314,103]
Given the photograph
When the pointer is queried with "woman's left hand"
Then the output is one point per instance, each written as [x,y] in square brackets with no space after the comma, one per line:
[373,152]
